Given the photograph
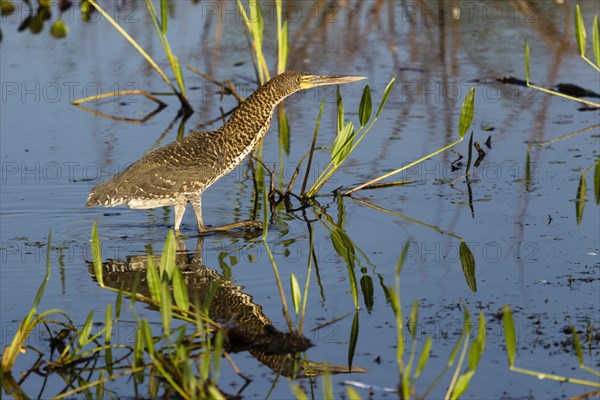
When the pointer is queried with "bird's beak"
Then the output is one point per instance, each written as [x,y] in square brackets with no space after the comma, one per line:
[321,80]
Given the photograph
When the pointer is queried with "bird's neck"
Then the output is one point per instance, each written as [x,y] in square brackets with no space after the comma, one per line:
[251,120]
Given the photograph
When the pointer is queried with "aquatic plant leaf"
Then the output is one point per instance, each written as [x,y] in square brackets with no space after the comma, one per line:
[119,302]
[59,29]
[413,320]
[153,279]
[353,340]
[298,392]
[165,306]
[365,107]
[402,257]
[327,384]
[596,40]
[366,286]
[163,16]
[528,172]
[85,8]
[468,265]
[84,336]
[386,93]
[215,393]
[295,290]
[527,62]
[146,333]
[284,131]
[6,8]
[478,345]
[108,323]
[577,346]
[509,334]
[424,357]
[167,260]
[352,394]
[580,30]
[9,356]
[96,255]
[597,180]
[469,156]
[462,383]
[466,113]
[345,248]
[340,109]
[180,292]
[581,199]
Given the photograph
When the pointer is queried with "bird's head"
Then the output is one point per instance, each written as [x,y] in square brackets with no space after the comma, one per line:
[291,82]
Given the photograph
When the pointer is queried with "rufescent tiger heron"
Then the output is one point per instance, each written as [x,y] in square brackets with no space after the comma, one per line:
[180,172]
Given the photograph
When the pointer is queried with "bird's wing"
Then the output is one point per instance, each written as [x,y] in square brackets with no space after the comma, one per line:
[185,166]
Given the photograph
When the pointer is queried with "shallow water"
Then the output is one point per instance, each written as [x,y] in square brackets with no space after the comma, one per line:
[529,250]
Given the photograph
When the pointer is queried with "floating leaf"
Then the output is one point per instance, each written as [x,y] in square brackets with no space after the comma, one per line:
[180,292]
[364,109]
[97,255]
[527,62]
[509,335]
[466,113]
[580,30]
[581,199]
[295,288]
[59,29]
[596,40]
[353,340]
[468,265]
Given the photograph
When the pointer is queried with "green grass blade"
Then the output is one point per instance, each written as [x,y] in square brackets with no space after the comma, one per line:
[295,290]
[180,292]
[597,180]
[466,113]
[424,357]
[96,255]
[527,62]
[596,40]
[580,30]
[468,265]
[386,93]
[469,155]
[402,258]
[365,107]
[153,279]
[509,335]
[84,336]
[166,311]
[327,385]
[581,199]
[167,260]
[298,392]
[462,383]
[353,340]
[478,344]
[163,16]
[108,323]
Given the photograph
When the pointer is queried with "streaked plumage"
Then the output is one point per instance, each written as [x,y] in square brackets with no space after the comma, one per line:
[179,172]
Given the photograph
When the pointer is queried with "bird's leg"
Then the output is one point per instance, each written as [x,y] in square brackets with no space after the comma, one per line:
[179,210]
[197,204]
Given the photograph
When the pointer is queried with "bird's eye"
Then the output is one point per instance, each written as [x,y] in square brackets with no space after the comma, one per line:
[299,79]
